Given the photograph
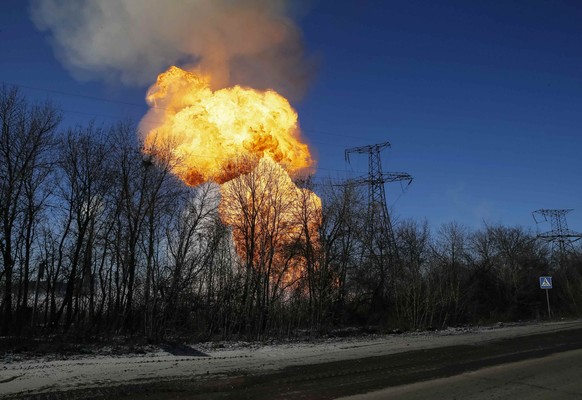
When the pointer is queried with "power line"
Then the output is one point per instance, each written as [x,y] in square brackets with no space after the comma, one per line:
[379,223]
[59,92]
[559,236]
[146,106]
[152,122]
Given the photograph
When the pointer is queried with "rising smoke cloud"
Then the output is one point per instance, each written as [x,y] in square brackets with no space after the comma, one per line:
[246,42]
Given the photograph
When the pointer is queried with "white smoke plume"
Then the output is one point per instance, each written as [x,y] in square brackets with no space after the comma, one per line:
[248,42]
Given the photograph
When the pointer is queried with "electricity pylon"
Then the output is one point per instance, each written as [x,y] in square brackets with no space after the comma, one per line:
[559,236]
[379,223]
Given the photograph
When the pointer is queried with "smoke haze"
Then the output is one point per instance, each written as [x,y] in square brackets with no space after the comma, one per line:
[247,42]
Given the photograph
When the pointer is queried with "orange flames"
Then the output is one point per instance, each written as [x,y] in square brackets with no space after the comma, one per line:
[273,220]
[249,142]
[218,135]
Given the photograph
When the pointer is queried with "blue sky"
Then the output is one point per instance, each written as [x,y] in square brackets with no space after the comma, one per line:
[481,100]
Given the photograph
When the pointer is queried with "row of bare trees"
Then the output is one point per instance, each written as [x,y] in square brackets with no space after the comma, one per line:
[98,239]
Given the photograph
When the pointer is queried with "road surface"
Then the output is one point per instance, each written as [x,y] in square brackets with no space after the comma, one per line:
[324,370]
[528,355]
[558,376]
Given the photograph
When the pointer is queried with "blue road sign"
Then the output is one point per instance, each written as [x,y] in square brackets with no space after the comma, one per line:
[545,282]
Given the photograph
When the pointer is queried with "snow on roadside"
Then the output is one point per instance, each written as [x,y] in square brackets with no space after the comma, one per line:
[42,375]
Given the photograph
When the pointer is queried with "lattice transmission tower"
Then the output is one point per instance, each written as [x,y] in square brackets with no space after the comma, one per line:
[379,223]
[560,237]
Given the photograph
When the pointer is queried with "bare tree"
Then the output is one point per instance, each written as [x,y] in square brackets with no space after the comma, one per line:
[26,138]
[413,303]
[191,249]
[447,272]
[261,209]
[342,208]
[86,179]
[145,192]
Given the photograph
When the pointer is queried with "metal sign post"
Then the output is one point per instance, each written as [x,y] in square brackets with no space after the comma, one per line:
[546,284]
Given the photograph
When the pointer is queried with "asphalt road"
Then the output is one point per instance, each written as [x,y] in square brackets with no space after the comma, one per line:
[518,367]
[511,368]
[558,376]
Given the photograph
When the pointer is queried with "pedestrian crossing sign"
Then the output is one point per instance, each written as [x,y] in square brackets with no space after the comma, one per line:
[545,282]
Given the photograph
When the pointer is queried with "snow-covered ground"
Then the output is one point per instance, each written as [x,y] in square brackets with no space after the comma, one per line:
[42,375]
